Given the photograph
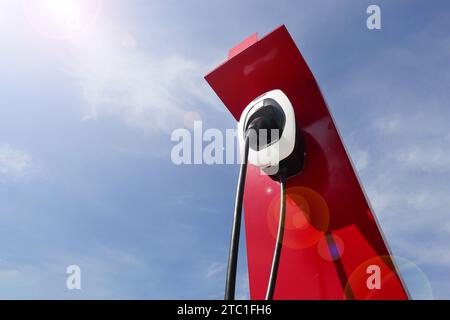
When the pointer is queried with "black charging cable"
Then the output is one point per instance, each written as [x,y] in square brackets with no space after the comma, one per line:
[230,285]
[279,241]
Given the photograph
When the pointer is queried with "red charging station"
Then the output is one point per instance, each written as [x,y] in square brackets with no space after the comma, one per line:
[333,247]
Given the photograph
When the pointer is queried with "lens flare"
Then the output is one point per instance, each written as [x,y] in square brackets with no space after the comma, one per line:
[330,247]
[62,18]
[416,281]
[307,217]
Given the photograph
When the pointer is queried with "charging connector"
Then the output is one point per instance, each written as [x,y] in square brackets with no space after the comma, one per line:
[270,111]
[278,147]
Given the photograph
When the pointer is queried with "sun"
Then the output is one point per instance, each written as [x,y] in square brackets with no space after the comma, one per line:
[63,7]
[65,13]
[62,18]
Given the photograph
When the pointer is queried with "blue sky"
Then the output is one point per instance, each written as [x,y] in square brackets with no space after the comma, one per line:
[86,113]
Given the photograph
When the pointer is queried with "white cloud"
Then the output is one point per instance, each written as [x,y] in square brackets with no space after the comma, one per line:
[9,274]
[429,158]
[104,275]
[215,268]
[150,91]
[243,287]
[360,158]
[14,163]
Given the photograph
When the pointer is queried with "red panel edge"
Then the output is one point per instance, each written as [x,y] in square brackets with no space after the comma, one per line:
[244,44]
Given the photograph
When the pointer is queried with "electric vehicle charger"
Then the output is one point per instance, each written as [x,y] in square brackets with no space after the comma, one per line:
[271,140]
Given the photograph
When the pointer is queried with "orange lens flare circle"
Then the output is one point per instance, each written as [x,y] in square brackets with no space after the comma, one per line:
[307,217]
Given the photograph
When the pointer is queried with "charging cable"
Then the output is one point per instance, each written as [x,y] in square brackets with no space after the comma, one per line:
[279,241]
[230,286]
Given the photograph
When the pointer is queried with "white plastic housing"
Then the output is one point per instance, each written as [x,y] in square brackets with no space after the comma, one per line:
[279,150]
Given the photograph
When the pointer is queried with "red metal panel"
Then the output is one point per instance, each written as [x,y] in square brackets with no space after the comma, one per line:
[332,241]
[242,45]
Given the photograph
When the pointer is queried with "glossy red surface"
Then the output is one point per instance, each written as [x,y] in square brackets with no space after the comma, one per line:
[332,240]
[242,45]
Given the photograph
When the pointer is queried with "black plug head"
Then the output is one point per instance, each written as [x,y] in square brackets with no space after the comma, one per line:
[269,117]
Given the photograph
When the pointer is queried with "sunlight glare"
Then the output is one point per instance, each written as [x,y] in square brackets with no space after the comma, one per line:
[62,18]
[66,13]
